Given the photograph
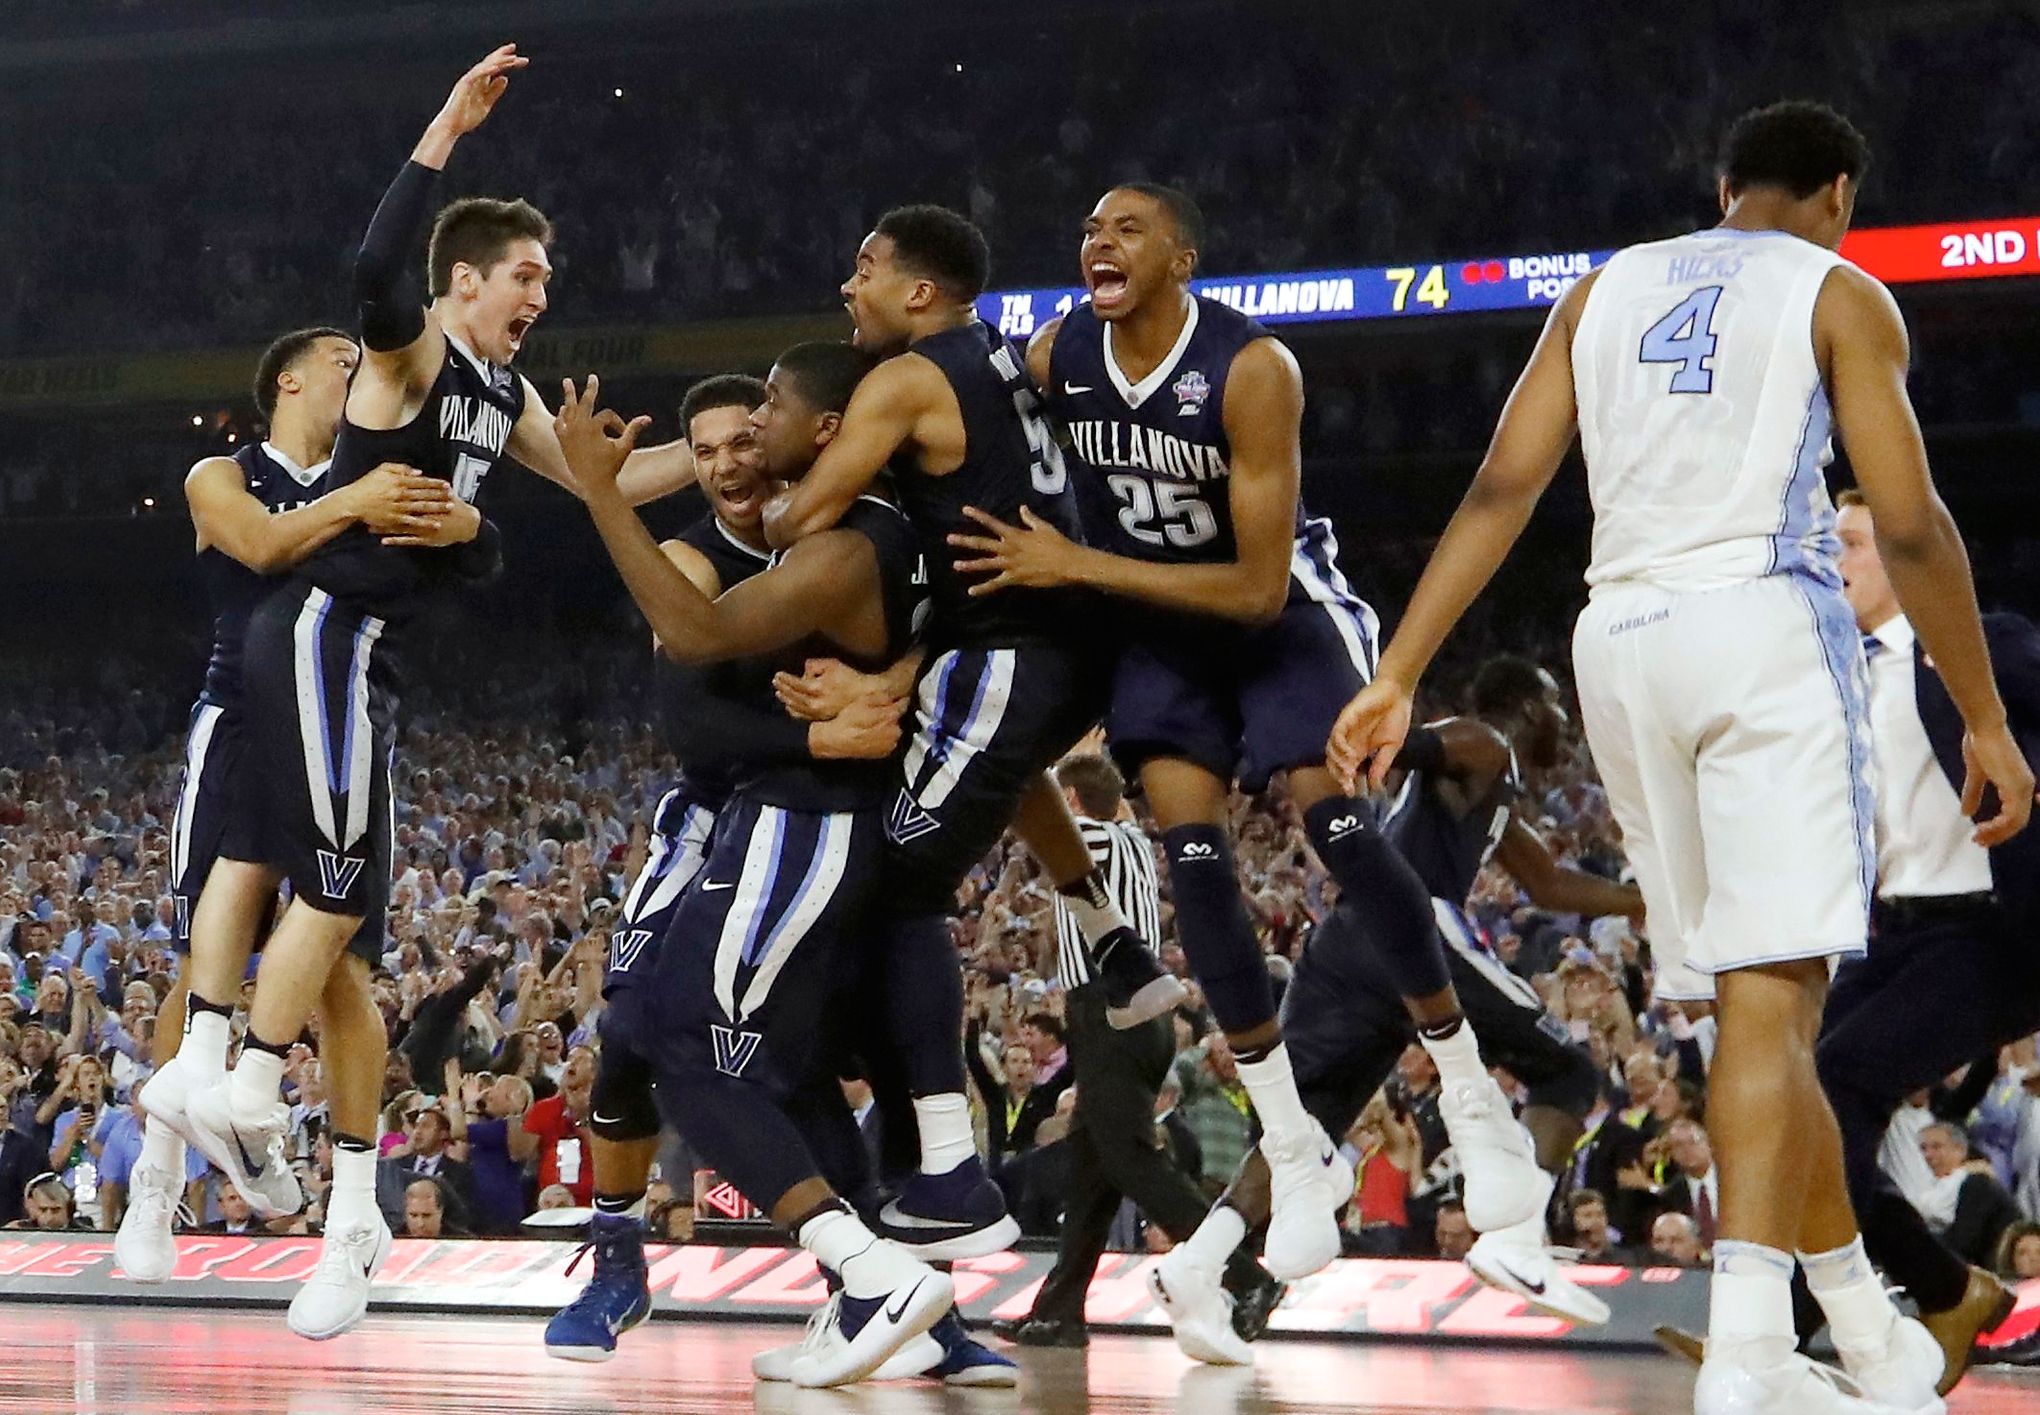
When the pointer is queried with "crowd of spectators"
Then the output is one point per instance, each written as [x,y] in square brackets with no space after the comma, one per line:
[517,834]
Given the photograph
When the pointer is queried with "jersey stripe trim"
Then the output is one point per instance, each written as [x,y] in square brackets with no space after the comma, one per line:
[816,892]
[311,711]
[202,724]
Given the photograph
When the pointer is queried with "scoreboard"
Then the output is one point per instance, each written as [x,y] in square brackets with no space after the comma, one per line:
[1974,250]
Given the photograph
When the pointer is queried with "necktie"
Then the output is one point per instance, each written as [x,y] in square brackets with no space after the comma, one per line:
[1703,1217]
[1872,646]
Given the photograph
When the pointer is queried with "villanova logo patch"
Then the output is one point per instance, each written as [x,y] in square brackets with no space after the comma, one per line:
[337,874]
[907,821]
[625,947]
[1191,390]
[733,1049]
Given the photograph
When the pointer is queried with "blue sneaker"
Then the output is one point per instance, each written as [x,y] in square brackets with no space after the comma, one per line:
[944,1217]
[966,1362]
[616,1298]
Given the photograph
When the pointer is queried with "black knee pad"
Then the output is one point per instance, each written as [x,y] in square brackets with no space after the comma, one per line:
[624,1110]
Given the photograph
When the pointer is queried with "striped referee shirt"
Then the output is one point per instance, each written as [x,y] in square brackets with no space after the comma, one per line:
[1127,861]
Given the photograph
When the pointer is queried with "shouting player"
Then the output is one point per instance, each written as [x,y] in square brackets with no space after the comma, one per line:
[1722,684]
[1241,640]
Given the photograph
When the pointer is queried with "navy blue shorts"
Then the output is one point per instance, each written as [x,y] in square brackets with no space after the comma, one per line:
[215,814]
[1245,702]
[683,824]
[986,723]
[750,960]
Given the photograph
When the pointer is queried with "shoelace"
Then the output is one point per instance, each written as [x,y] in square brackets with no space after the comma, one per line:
[821,1323]
[1842,1381]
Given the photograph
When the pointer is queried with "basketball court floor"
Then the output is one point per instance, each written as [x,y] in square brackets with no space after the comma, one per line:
[111,1359]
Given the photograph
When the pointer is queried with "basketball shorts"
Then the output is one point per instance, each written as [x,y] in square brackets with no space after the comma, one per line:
[1245,702]
[1730,728]
[748,963]
[986,722]
[321,711]
[683,824]
[214,815]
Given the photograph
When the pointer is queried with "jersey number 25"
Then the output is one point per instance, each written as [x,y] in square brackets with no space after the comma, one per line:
[1162,513]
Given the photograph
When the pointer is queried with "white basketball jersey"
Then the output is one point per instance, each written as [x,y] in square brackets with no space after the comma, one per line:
[1702,415]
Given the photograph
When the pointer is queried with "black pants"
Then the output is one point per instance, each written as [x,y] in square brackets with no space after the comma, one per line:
[1114,1153]
[1929,995]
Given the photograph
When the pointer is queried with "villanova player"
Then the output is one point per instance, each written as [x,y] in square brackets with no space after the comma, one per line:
[732,1014]
[434,392]
[1009,684]
[257,514]
[1454,810]
[1241,640]
[1722,684]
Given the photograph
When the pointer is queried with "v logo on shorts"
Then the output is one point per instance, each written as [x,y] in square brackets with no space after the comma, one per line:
[337,874]
[625,947]
[733,1049]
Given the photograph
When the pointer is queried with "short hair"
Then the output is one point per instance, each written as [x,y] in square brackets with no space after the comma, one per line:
[723,390]
[1957,1136]
[1505,683]
[1799,146]
[1099,787]
[941,245]
[1580,1198]
[282,355]
[825,373]
[1851,496]
[1046,1022]
[1451,1206]
[478,231]
[1181,206]
[427,1181]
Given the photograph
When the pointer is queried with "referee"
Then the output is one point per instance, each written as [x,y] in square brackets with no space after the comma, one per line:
[1951,973]
[1115,1150]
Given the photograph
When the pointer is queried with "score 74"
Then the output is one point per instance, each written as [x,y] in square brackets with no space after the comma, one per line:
[1432,291]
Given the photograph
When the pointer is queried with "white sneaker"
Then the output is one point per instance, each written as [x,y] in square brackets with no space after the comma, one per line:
[166,1094]
[336,1296]
[247,1148]
[1309,1182]
[144,1247]
[1199,1310]
[1504,1186]
[823,1338]
[872,1329]
[1905,1372]
[1795,1386]
[1531,1272]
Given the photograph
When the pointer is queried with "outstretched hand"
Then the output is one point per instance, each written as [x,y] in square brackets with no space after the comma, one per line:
[475,95]
[596,440]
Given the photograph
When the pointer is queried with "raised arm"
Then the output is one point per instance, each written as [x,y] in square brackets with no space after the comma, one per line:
[1861,341]
[886,413]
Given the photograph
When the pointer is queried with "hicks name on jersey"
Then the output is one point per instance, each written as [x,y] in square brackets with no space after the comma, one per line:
[1103,442]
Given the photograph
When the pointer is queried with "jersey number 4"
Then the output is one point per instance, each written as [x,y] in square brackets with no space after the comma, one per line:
[1685,337]
[1163,513]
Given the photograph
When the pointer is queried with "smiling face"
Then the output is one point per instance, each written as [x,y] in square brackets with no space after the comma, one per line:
[1131,252]
[882,297]
[729,464]
[497,307]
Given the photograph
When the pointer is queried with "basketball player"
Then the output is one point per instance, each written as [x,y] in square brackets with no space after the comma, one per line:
[1008,687]
[730,1020]
[256,515]
[436,393]
[715,726]
[1454,810]
[1722,685]
[1241,640]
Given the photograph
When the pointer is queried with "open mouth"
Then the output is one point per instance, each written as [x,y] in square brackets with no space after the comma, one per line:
[1108,283]
[740,498]
[519,327]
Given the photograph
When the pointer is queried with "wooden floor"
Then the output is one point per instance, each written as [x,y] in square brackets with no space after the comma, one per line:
[141,1361]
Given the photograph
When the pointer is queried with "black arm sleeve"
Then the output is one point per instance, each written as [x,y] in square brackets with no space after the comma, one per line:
[385,289]
[480,560]
[709,728]
[1422,750]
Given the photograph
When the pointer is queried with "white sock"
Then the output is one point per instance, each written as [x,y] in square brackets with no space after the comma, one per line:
[203,1053]
[839,1240]
[256,1082]
[1457,1057]
[352,1198]
[946,1138]
[162,1148]
[1095,920]
[1271,1085]
[1859,1311]
[1211,1246]
[1531,1232]
[1749,1309]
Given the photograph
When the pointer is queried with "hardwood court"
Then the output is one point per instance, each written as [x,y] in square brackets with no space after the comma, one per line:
[122,1360]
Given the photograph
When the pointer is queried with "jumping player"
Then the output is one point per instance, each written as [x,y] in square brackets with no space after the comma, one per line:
[1454,810]
[1723,684]
[1009,685]
[730,1018]
[256,515]
[1240,641]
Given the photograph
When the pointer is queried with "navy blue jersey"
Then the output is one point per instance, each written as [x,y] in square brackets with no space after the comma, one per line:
[703,781]
[232,590]
[1010,460]
[1446,837]
[812,785]
[1151,461]
[458,436]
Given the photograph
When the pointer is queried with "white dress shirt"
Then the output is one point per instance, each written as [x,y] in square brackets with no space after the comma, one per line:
[1923,839]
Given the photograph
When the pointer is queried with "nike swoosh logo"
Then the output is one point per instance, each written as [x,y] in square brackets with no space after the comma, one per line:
[1075,388]
[899,1309]
[710,886]
[892,1216]
[247,1161]
[1533,1287]
[600,1119]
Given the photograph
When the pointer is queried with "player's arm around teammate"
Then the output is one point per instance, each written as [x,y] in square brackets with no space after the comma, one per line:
[899,404]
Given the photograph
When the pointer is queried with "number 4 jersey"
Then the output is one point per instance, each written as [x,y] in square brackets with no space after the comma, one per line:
[1702,414]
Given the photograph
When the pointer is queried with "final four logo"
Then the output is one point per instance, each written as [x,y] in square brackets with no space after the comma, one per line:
[1191,390]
